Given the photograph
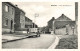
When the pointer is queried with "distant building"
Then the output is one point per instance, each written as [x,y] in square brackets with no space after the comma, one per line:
[34,25]
[28,23]
[62,21]
[19,19]
[63,25]
[8,14]
[49,27]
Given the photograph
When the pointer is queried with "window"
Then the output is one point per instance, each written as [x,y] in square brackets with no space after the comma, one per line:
[6,8]
[12,10]
[6,22]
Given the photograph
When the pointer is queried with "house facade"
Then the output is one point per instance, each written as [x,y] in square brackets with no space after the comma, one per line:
[28,22]
[8,14]
[64,25]
[19,19]
[14,19]
[50,25]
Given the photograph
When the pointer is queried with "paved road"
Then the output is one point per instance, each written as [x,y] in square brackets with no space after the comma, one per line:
[42,42]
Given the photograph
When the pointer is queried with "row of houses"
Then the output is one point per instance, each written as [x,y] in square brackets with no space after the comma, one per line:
[61,25]
[14,19]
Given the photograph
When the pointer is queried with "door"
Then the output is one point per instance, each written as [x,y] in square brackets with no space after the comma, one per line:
[11,24]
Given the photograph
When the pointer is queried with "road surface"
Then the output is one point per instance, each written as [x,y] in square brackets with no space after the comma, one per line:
[42,42]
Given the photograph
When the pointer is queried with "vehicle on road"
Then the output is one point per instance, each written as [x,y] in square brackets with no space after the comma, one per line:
[34,32]
[31,32]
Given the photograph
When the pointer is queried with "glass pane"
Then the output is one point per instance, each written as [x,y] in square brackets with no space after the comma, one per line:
[6,8]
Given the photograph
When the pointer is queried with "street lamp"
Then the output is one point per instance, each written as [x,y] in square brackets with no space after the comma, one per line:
[36,15]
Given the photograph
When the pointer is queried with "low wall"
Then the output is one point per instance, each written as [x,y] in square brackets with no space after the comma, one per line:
[71,31]
[64,31]
[61,31]
[4,30]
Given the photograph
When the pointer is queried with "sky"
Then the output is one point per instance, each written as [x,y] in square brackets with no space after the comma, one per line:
[46,10]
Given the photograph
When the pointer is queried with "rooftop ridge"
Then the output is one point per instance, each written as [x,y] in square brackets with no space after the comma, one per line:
[63,18]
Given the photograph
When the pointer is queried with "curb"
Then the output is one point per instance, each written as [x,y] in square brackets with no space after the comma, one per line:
[55,43]
[14,40]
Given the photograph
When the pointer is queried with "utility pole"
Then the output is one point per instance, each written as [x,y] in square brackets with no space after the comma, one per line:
[36,15]
[76,16]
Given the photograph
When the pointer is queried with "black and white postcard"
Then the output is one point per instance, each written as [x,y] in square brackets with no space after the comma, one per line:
[39,25]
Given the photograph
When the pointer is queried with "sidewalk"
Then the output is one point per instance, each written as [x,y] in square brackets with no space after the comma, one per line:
[64,42]
[12,37]
[55,43]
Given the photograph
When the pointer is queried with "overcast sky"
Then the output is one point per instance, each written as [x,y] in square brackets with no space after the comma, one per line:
[46,11]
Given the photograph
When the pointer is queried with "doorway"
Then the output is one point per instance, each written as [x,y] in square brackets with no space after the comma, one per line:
[11,24]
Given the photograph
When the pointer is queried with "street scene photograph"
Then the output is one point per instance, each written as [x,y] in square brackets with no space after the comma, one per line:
[39,25]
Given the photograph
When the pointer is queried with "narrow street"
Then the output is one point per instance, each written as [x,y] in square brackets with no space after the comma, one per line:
[39,25]
[42,42]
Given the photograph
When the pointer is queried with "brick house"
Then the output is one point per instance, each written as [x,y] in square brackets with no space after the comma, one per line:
[64,25]
[50,25]
[19,19]
[61,21]
[61,25]
[8,14]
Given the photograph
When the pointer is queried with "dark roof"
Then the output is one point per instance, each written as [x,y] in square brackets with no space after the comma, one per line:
[9,3]
[52,19]
[35,25]
[60,24]
[63,18]
[19,9]
[14,6]
[27,19]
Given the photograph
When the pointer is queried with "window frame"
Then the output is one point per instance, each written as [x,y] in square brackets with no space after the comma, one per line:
[12,10]
[6,8]
[6,22]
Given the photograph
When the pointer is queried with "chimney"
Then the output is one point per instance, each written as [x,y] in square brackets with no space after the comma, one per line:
[16,5]
[53,18]
[62,14]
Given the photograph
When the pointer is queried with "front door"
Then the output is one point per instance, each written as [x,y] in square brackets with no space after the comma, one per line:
[11,24]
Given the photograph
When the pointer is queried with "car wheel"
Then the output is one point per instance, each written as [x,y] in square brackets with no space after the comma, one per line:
[34,36]
[38,35]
